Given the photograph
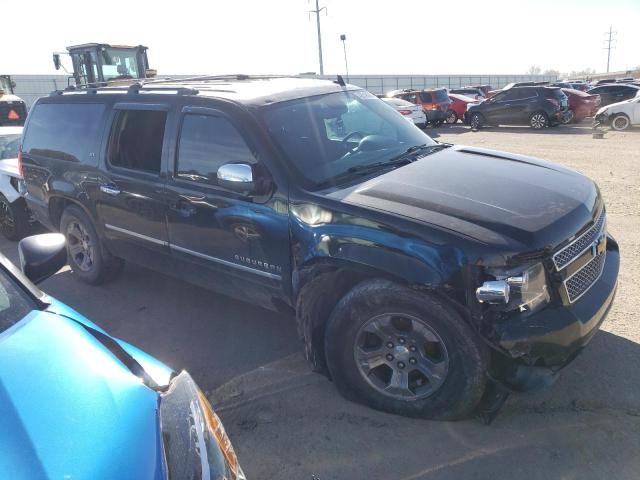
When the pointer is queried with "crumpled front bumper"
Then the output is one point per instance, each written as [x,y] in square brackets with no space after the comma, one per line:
[541,344]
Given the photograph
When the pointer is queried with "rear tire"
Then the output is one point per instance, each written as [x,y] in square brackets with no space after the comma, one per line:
[539,120]
[413,332]
[14,218]
[452,117]
[87,257]
[620,122]
[569,117]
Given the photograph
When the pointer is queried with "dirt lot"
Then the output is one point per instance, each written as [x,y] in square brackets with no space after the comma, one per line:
[288,423]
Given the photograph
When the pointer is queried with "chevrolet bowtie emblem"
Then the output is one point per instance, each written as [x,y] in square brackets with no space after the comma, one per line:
[599,245]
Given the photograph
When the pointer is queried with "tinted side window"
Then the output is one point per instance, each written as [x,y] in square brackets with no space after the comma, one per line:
[64,131]
[206,143]
[136,140]
[425,97]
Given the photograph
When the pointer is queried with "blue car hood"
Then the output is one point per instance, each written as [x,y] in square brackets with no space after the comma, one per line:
[70,409]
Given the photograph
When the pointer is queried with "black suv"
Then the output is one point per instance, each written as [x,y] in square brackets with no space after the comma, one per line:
[538,107]
[421,274]
[614,93]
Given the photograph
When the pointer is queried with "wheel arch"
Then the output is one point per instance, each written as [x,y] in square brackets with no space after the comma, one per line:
[319,285]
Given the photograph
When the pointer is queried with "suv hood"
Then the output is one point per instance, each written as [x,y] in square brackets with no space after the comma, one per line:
[494,197]
[70,409]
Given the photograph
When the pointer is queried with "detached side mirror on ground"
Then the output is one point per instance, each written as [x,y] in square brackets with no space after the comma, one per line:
[41,256]
[237,177]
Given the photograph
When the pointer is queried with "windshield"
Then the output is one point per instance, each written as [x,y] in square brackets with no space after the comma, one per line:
[119,63]
[9,145]
[5,84]
[324,136]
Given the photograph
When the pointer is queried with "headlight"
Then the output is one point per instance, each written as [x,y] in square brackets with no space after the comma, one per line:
[195,442]
[527,291]
[601,111]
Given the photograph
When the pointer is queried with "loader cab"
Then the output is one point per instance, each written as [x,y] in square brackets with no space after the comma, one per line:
[6,85]
[98,63]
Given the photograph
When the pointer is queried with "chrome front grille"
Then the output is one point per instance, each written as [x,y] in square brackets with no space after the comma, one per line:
[580,281]
[567,254]
[578,284]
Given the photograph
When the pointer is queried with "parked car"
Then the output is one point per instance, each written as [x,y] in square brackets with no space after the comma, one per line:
[434,102]
[492,93]
[409,110]
[614,93]
[79,403]
[15,220]
[538,107]
[413,267]
[620,115]
[581,105]
[458,107]
[474,93]
[485,89]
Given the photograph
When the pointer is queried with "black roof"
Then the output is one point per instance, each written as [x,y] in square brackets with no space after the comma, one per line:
[244,89]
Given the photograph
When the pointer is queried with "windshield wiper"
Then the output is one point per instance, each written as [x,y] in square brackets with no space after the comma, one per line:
[405,158]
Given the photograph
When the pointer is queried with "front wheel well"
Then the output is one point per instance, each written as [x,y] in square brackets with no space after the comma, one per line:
[323,288]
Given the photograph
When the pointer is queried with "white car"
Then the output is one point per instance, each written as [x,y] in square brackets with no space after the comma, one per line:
[620,115]
[409,110]
[15,219]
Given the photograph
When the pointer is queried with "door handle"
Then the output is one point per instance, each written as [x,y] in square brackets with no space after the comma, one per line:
[110,189]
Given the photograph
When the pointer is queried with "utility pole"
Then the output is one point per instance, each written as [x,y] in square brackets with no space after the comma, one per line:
[317,12]
[343,37]
[608,41]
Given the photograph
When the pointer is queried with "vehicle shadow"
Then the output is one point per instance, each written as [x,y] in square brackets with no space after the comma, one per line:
[289,423]
[188,327]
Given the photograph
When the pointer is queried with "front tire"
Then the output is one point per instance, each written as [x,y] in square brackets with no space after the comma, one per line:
[539,120]
[404,352]
[620,122]
[476,121]
[88,258]
[452,117]
[14,218]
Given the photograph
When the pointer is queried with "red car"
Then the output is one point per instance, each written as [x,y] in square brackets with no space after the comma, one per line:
[458,107]
[581,105]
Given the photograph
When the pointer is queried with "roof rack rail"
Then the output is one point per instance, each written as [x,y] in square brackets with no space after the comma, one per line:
[133,89]
[204,78]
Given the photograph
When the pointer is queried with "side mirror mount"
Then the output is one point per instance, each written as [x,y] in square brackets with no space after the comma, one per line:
[237,177]
[56,61]
[41,256]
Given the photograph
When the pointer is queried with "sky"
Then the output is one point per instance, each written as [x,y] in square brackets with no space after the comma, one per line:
[383,36]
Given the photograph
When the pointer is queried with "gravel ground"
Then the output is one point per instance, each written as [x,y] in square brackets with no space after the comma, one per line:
[288,423]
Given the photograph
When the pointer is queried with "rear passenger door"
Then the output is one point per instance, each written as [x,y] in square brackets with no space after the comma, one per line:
[131,205]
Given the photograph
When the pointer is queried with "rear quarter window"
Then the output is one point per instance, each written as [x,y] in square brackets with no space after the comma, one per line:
[68,132]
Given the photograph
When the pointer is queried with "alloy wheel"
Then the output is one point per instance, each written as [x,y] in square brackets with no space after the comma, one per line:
[621,122]
[538,120]
[401,356]
[80,246]
[452,117]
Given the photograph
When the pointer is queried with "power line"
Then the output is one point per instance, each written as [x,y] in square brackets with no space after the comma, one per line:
[608,41]
[317,12]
